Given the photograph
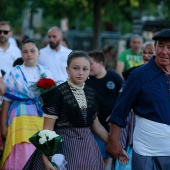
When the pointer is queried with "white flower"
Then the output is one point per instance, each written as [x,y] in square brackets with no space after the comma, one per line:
[52,135]
[43,139]
[44,134]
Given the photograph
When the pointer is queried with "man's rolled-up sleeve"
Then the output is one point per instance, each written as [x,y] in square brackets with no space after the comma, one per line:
[126,100]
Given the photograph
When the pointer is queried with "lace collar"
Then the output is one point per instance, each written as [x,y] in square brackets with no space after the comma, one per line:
[73,86]
[78,92]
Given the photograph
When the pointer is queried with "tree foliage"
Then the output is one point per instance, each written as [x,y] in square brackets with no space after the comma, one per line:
[115,14]
[12,11]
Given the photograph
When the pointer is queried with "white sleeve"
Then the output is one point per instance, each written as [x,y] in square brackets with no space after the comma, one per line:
[0,74]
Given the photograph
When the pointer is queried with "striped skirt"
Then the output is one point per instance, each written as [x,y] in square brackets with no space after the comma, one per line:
[126,138]
[79,148]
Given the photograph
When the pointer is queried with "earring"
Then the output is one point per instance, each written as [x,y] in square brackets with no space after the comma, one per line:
[88,77]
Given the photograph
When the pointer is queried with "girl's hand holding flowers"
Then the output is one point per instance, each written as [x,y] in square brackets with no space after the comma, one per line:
[47,163]
[48,142]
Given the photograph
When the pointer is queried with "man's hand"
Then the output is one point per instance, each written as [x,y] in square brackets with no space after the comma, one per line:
[113,148]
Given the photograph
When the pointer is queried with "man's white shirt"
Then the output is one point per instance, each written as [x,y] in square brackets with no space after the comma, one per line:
[8,57]
[56,61]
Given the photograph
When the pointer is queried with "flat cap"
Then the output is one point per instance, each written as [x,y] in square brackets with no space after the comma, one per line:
[162,35]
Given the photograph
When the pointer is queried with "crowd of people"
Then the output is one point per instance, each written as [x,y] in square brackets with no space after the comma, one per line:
[109,109]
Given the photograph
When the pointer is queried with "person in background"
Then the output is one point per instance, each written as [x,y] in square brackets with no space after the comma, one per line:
[149,99]
[111,59]
[107,84]
[22,39]
[126,139]
[130,57]
[8,52]
[148,51]
[54,55]
[21,114]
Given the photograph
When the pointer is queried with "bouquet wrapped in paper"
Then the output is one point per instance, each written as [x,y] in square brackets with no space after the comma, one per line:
[48,142]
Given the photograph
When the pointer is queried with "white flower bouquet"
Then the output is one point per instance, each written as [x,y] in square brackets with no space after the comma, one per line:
[48,142]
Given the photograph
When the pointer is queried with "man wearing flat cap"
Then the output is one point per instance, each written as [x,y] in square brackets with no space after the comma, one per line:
[147,92]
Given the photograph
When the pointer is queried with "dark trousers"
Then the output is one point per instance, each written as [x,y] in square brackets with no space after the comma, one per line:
[140,162]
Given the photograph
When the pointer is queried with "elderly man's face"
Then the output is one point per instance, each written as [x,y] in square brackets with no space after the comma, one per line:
[163,53]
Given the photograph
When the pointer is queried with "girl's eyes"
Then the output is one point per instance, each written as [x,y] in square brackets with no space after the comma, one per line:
[33,51]
[84,69]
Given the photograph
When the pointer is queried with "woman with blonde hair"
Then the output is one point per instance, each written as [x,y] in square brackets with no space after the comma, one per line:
[148,50]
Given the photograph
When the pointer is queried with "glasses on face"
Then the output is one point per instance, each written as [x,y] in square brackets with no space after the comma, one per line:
[4,31]
[149,53]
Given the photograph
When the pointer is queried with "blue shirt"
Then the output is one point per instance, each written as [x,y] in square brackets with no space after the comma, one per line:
[147,92]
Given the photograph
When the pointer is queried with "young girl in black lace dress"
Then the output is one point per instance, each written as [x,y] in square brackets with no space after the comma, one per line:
[71,110]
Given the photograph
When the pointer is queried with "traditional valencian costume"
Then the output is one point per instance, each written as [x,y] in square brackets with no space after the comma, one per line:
[75,109]
[24,115]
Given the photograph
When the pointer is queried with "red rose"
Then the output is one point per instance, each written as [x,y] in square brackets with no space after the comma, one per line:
[45,83]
